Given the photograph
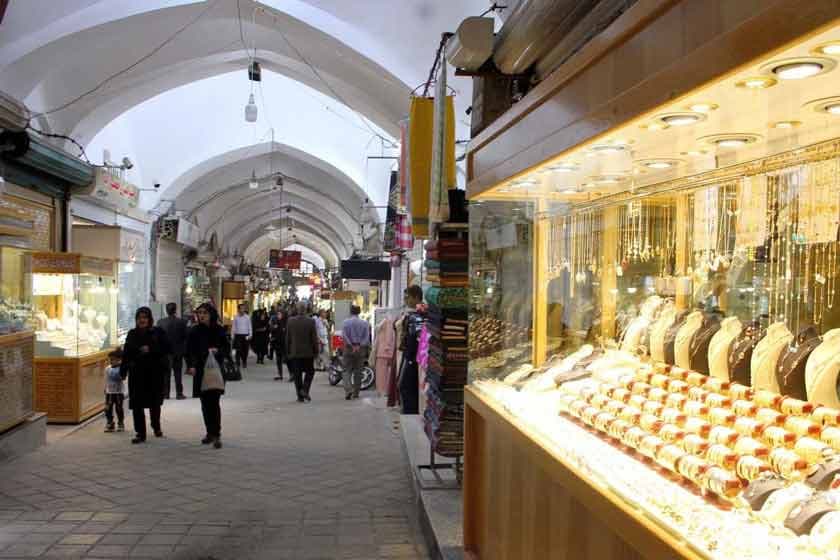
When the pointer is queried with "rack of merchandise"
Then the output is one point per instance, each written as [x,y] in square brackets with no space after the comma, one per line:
[74,302]
[672,389]
[447,324]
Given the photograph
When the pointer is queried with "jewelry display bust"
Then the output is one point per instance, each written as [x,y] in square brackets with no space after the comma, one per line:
[682,342]
[671,336]
[741,352]
[699,347]
[766,356]
[719,347]
[657,333]
[790,369]
[822,370]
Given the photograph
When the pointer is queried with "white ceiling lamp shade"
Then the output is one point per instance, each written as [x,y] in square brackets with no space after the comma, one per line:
[659,164]
[563,177]
[254,184]
[14,115]
[251,110]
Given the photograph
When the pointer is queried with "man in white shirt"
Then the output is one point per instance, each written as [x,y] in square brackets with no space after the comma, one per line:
[322,359]
[241,331]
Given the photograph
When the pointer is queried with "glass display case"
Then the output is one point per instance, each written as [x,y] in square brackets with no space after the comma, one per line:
[15,294]
[131,283]
[671,336]
[74,304]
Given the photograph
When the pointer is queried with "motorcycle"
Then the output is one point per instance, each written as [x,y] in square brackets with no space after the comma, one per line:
[336,372]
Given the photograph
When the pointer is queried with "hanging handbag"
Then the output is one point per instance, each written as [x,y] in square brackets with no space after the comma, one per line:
[230,369]
[212,379]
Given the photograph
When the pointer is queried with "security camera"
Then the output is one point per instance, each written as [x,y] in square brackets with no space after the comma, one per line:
[279,181]
[127,163]
[157,185]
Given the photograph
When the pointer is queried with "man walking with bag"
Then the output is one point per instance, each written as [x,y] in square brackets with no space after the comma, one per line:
[356,334]
[301,349]
[176,332]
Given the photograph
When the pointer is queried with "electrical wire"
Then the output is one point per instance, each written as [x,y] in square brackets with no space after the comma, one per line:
[139,61]
[494,8]
[82,153]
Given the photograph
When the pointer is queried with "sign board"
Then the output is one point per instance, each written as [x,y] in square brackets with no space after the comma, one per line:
[188,234]
[110,189]
[501,237]
[365,270]
[284,259]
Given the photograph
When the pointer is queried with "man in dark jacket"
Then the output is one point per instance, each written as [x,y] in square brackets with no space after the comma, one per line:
[301,349]
[176,333]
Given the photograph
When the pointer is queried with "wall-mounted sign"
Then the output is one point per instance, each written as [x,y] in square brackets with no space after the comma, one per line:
[289,260]
[189,234]
[110,189]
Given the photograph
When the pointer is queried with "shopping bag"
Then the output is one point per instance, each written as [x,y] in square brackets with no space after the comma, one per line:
[230,370]
[212,379]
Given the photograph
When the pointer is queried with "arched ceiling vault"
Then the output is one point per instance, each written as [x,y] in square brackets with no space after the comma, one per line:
[243,237]
[257,251]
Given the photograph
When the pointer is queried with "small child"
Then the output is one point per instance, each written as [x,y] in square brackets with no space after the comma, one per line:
[114,392]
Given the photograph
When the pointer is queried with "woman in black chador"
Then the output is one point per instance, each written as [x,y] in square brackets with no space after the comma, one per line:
[208,338]
[146,363]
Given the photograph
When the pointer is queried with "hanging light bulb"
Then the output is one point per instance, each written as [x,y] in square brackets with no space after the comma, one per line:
[254,184]
[251,110]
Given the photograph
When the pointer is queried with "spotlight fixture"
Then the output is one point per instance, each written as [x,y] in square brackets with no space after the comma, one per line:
[730,141]
[569,191]
[830,105]
[659,164]
[251,110]
[679,119]
[757,82]
[798,68]
[655,126]
[702,107]
[783,125]
[832,48]
[254,183]
[279,181]
[270,227]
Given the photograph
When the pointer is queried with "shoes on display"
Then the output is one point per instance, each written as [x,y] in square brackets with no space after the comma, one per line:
[138,439]
[109,428]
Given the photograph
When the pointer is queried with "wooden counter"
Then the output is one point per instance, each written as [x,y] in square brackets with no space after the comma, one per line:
[16,400]
[523,502]
[70,390]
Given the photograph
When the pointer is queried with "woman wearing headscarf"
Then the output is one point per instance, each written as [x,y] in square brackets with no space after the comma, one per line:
[259,326]
[146,364]
[208,340]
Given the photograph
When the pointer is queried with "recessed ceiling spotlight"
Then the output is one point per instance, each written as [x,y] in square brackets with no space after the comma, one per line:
[570,191]
[658,164]
[694,153]
[730,141]
[785,124]
[609,148]
[828,48]
[680,119]
[830,105]
[607,179]
[703,107]
[798,68]
[563,167]
[655,126]
[757,82]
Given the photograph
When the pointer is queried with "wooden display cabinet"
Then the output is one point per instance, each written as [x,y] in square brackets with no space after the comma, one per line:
[69,371]
[521,500]
[16,383]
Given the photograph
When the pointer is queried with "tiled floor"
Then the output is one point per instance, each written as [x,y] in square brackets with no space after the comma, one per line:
[321,480]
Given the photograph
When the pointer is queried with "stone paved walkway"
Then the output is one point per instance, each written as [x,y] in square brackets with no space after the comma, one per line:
[294,481]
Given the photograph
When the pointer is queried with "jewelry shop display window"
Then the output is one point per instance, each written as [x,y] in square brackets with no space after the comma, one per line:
[684,345]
